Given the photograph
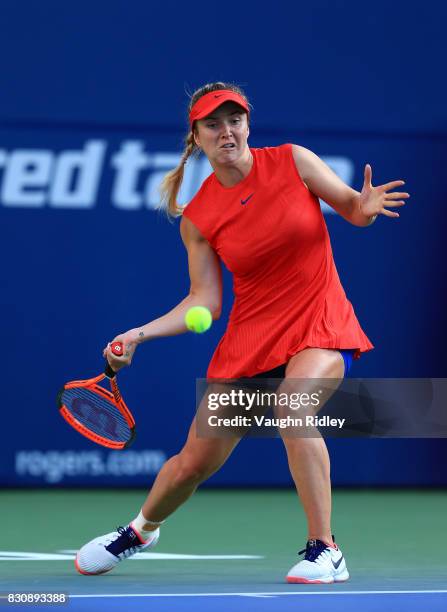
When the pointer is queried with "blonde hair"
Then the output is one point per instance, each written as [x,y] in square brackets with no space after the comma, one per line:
[170,186]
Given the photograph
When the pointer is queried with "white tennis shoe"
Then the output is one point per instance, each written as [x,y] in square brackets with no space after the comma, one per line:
[322,564]
[102,554]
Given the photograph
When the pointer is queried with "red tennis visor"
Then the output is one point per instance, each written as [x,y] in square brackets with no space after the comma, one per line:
[210,101]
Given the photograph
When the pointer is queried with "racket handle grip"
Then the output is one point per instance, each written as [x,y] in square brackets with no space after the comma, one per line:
[109,371]
[117,349]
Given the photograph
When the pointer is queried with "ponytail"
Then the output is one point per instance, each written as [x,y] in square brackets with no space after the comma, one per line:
[172,182]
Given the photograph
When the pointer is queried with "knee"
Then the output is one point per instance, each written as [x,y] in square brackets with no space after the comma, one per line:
[298,446]
[191,470]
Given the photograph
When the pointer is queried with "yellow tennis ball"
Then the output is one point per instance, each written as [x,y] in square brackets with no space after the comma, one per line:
[198,319]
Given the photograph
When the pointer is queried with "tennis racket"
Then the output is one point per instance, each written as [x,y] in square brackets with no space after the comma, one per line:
[97,413]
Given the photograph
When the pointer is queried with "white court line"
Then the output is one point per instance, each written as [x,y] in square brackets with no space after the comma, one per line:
[260,594]
[154,556]
[67,555]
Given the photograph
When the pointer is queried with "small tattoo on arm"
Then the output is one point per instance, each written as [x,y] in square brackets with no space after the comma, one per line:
[141,334]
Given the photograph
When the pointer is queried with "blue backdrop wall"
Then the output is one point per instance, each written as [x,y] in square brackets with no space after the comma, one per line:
[93,112]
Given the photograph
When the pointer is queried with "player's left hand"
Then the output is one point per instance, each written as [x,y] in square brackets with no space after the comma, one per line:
[377,200]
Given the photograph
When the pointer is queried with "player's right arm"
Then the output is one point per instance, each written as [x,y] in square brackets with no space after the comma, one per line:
[205,290]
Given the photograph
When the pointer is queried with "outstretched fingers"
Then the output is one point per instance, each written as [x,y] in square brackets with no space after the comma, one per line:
[368,175]
[389,213]
[397,195]
[395,199]
[394,204]
[389,186]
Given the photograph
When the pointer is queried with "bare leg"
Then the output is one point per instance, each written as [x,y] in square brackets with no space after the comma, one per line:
[308,457]
[182,474]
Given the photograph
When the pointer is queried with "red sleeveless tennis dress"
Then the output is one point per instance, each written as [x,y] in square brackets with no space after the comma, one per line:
[270,233]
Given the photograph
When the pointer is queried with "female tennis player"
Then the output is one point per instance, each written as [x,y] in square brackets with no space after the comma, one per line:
[259,213]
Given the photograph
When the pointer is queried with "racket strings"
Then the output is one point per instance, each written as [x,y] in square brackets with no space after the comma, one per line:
[97,413]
